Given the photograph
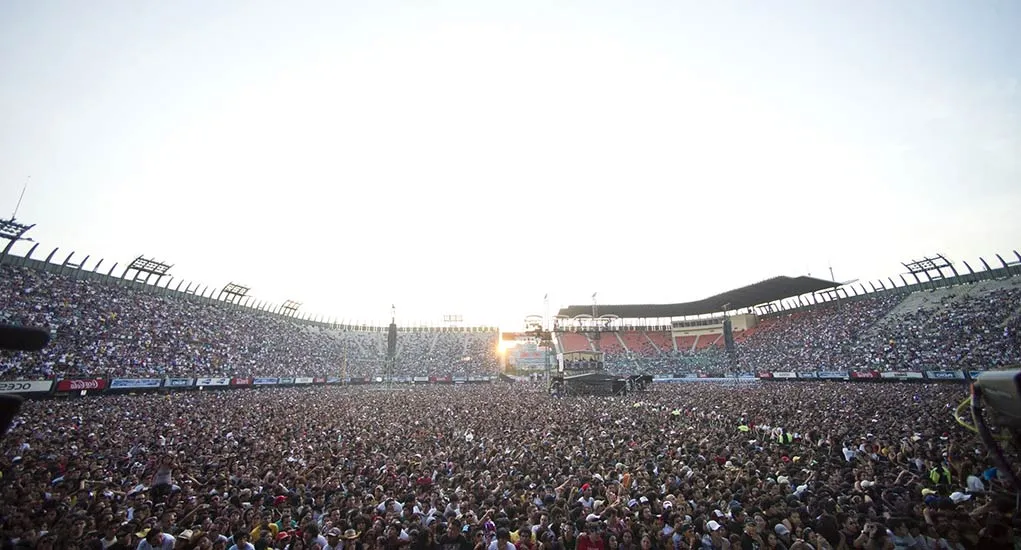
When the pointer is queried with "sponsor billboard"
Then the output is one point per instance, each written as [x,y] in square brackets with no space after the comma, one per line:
[212,381]
[807,375]
[765,374]
[26,386]
[176,382]
[264,382]
[135,383]
[421,379]
[864,374]
[746,376]
[833,375]
[303,380]
[241,382]
[319,380]
[286,381]
[784,375]
[81,384]
[944,374]
[333,380]
[902,375]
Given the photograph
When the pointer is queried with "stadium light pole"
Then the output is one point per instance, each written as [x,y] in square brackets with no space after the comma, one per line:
[13,232]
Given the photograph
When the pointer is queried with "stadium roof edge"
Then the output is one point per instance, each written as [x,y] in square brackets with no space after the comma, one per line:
[763,292]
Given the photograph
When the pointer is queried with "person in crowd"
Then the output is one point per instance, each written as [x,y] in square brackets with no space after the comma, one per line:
[625,472]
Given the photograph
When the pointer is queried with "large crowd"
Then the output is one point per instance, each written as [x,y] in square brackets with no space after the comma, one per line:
[110,331]
[107,331]
[760,465]
[967,327]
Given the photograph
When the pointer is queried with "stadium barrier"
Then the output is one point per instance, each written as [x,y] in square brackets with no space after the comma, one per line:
[36,388]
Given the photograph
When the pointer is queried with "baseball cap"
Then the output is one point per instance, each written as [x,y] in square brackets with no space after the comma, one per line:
[713,525]
[959,497]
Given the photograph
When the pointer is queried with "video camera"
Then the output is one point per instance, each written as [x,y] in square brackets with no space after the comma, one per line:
[999,391]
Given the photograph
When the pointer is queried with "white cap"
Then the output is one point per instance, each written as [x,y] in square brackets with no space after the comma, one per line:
[713,525]
[975,485]
[958,497]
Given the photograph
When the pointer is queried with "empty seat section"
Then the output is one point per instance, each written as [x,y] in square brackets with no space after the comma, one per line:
[684,343]
[570,341]
[608,343]
[635,341]
[661,340]
[706,340]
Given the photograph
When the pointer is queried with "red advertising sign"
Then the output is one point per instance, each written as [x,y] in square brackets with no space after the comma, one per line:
[864,374]
[765,374]
[81,384]
[241,382]
[319,380]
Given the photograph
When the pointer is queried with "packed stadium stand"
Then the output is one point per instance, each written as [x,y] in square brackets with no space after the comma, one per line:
[105,330]
[971,326]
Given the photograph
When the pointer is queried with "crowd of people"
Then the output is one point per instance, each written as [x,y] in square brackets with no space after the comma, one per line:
[759,465]
[107,331]
[968,327]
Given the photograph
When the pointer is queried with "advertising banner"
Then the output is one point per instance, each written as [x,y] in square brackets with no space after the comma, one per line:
[319,380]
[784,375]
[176,382]
[81,384]
[333,380]
[135,383]
[864,374]
[807,375]
[26,386]
[212,382]
[460,378]
[746,376]
[765,374]
[944,374]
[264,382]
[241,382]
[303,380]
[902,375]
[286,381]
[833,375]
[973,374]
[421,379]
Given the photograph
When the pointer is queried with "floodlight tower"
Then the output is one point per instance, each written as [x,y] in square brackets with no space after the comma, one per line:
[12,232]
[232,293]
[145,268]
[289,308]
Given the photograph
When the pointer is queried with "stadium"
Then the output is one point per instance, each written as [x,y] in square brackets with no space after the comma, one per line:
[128,386]
[272,276]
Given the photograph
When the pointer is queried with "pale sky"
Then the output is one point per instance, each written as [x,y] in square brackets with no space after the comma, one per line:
[469,157]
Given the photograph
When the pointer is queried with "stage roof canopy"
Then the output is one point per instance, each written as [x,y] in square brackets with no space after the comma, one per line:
[759,293]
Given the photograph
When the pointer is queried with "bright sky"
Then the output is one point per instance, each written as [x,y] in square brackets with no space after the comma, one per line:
[469,157]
